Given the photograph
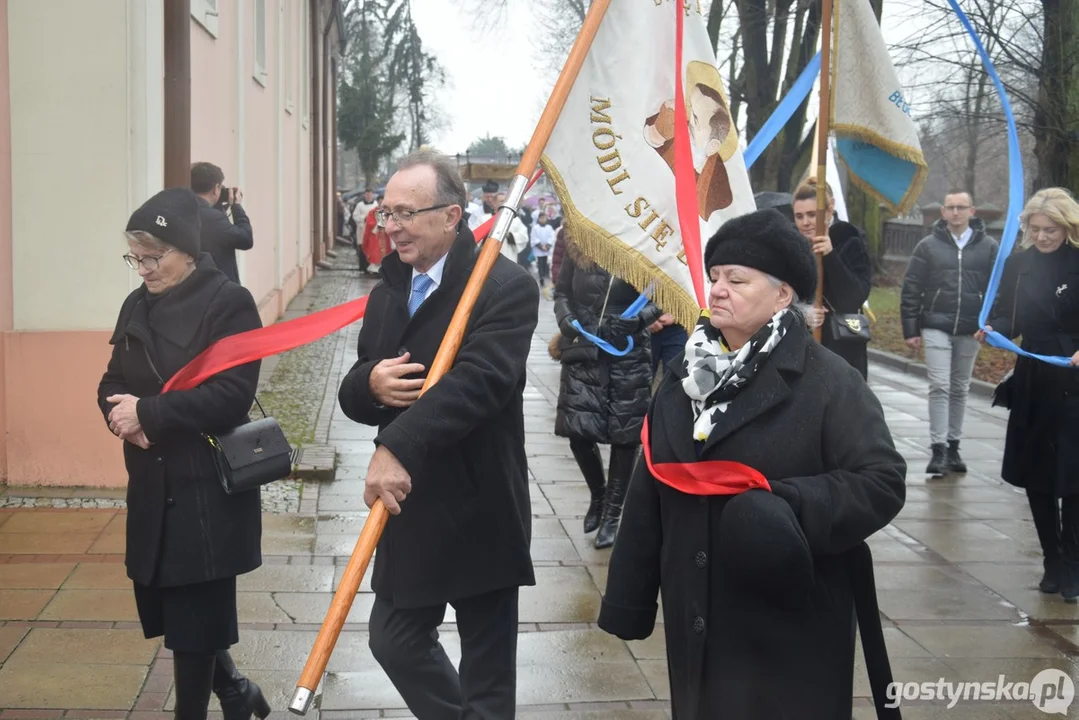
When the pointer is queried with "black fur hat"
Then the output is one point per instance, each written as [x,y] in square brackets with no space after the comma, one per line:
[767,241]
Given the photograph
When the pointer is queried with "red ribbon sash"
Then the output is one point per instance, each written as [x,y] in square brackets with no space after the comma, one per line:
[706,477]
[245,347]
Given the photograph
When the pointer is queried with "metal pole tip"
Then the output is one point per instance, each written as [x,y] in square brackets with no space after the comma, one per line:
[301,701]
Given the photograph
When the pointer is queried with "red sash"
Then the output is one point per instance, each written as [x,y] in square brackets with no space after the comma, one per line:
[705,477]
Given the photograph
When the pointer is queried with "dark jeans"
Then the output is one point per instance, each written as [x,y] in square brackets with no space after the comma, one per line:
[667,344]
[1057,524]
[405,643]
[543,268]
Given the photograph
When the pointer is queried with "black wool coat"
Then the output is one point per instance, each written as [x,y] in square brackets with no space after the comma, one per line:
[944,287]
[466,527]
[1039,299]
[182,528]
[221,238]
[848,278]
[810,424]
[604,398]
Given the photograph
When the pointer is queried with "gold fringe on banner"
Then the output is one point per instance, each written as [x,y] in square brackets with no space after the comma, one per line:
[622,261]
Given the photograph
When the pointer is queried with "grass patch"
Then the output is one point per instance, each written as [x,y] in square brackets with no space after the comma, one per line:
[991,365]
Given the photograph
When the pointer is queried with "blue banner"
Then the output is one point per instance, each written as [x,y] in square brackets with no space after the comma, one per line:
[779,117]
[632,311]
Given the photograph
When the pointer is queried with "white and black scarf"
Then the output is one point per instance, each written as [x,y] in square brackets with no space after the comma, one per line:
[715,373]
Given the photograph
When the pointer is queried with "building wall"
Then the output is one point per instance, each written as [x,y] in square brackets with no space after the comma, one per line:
[6,309]
[81,146]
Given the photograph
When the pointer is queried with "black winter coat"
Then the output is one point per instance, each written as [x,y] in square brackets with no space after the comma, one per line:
[603,399]
[944,286]
[466,527]
[848,277]
[221,238]
[810,424]
[181,526]
[1041,292]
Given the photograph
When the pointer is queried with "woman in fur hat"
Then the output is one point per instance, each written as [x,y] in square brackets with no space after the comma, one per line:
[602,398]
[767,465]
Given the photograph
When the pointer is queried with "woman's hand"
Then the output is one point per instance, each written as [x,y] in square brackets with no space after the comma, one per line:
[822,245]
[140,440]
[815,316]
[1075,359]
[124,418]
[980,335]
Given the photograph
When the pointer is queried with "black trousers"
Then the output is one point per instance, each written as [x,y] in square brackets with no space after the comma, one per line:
[1057,524]
[405,643]
[543,268]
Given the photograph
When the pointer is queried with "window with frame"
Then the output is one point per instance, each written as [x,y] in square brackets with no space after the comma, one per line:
[205,14]
[260,41]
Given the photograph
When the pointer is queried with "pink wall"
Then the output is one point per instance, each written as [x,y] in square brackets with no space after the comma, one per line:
[214,108]
[6,297]
[55,429]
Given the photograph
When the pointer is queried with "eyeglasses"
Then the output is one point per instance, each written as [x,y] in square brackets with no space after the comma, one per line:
[953,208]
[403,218]
[150,262]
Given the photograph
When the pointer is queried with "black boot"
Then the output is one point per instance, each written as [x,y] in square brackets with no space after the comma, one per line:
[1069,548]
[239,696]
[193,674]
[622,459]
[955,463]
[938,464]
[591,464]
[1046,516]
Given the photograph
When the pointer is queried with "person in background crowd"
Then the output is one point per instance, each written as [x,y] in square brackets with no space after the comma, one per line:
[557,253]
[759,587]
[1039,299]
[848,273]
[366,255]
[942,295]
[490,204]
[602,398]
[375,244]
[221,238]
[454,457]
[668,341]
[542,243]
[187,539]
[518,237]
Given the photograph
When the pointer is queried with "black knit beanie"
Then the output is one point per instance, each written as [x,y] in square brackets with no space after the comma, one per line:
[171,216]
[765,240]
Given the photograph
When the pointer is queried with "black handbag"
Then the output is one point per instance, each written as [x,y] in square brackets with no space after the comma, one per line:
[251,455]
[1002,393]
[849,327]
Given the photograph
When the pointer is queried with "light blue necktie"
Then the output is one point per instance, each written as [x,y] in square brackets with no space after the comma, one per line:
[420,285]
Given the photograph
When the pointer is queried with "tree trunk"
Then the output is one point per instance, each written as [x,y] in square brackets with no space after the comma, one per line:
[1056,118]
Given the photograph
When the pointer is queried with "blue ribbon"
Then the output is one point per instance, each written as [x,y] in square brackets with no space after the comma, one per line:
[775,123]
[1015,201]
[630,312]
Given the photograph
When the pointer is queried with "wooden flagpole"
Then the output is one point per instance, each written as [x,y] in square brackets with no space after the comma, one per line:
[824,120]
[319,656]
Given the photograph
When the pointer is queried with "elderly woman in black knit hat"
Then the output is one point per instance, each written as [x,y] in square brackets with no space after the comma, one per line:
[767,464]
[187,539]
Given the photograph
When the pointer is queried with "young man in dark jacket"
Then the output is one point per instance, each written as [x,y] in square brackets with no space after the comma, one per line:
[943,292]
[220,237]
[450,466]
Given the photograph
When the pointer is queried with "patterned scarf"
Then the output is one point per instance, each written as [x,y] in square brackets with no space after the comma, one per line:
[715,373]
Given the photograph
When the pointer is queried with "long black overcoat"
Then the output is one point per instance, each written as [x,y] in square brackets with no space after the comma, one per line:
[466,527]
[809,423]
[1039,299]
[182,528]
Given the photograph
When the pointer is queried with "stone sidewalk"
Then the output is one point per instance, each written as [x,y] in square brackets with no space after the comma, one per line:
[956,577]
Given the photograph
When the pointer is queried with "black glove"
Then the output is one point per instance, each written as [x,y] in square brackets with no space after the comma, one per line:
[568,331]
[617,329]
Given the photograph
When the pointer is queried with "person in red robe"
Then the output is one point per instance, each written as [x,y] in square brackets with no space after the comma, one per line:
[376,244]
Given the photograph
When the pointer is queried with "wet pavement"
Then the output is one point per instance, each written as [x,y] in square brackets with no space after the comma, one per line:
[956,577]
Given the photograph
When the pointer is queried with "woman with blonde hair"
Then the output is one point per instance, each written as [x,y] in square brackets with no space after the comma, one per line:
[1039,299]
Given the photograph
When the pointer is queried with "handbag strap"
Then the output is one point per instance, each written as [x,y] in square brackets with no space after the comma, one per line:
[260,406]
